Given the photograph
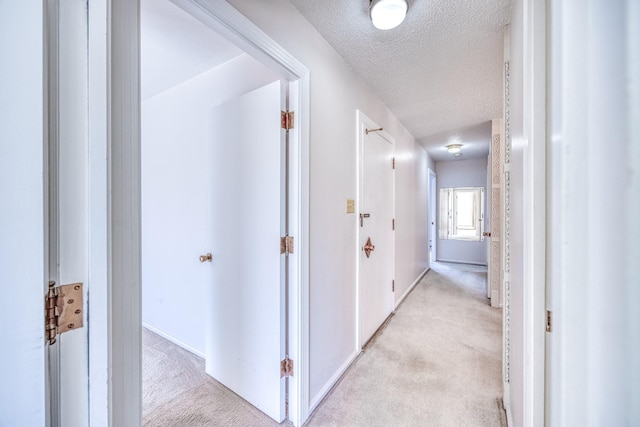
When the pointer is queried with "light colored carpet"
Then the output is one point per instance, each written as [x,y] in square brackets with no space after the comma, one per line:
[177,391]
[436,363]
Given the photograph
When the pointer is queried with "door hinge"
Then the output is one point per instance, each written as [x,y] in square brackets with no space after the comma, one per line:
[286,245]
[393,224]
[286,119]
[286,367]
[63,309]
[393,286]
[393,162]
[549,318]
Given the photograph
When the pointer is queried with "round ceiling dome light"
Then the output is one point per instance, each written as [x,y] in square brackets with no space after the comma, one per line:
[388,14]
[454,148]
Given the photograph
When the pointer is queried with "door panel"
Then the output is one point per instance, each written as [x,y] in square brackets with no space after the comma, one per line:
[376,271]
[433,236]
[245,330]
[22,214]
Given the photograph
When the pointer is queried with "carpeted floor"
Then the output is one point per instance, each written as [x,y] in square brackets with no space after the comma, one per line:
[177,392]
[436,363]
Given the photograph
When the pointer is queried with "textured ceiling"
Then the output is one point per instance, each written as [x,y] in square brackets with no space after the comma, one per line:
[439,72]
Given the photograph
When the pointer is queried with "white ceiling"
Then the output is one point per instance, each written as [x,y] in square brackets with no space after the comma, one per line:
[176,47]
[439,72]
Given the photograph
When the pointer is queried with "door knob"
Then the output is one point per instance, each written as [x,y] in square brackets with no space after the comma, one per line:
[206,258]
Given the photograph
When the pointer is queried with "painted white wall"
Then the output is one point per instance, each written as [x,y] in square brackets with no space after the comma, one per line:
[462,173]
[336,94]
[176,197]
[412,238]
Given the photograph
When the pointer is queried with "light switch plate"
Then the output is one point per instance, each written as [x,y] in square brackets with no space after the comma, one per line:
[351,206]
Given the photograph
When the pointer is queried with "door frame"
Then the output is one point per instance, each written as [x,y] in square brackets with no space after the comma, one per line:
[115,200]
[364,122]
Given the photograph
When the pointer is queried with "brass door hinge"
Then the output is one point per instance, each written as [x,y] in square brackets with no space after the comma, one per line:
[63,309]
[286,120]
[549,319]
[286,367]
[393,286]
[393,162]
[393,224]
[286,245]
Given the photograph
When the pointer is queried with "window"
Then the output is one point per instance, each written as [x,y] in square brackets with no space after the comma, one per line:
[461,213]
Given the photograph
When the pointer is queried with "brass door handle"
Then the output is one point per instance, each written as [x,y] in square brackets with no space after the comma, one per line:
[368,247]
[206,258]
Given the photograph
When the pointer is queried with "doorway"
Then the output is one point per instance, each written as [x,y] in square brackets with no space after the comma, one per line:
[122,358]
[214,205]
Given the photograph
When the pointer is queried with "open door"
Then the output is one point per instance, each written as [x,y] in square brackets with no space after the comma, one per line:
[245,340]
[376,288]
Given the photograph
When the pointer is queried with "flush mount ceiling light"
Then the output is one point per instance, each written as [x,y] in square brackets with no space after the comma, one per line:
[454,148]
[388,14]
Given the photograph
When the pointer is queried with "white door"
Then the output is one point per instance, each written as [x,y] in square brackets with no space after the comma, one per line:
[245,339]
[22,214]
[376,232]
[432,216]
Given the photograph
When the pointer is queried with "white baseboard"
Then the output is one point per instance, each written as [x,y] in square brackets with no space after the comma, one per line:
[495,299]
[484,264]
[174,340]
[410,288]
[506,404]
[315,401]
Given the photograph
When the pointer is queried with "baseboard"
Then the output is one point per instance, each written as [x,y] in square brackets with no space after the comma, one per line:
[495,299]
[174,340]
[331,383]
[462,262]
[410,288]
[506,404]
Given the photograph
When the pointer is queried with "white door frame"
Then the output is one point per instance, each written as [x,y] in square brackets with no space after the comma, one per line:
[533,279]
[115,200]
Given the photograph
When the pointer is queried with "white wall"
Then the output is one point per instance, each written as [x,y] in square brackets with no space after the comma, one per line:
[336,94]
[176,208]
[462,173]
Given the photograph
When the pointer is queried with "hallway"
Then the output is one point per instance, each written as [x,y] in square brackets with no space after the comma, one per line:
[436,363]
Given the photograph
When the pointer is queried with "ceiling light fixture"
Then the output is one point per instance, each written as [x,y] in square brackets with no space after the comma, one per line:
[454,148]
[388,14]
